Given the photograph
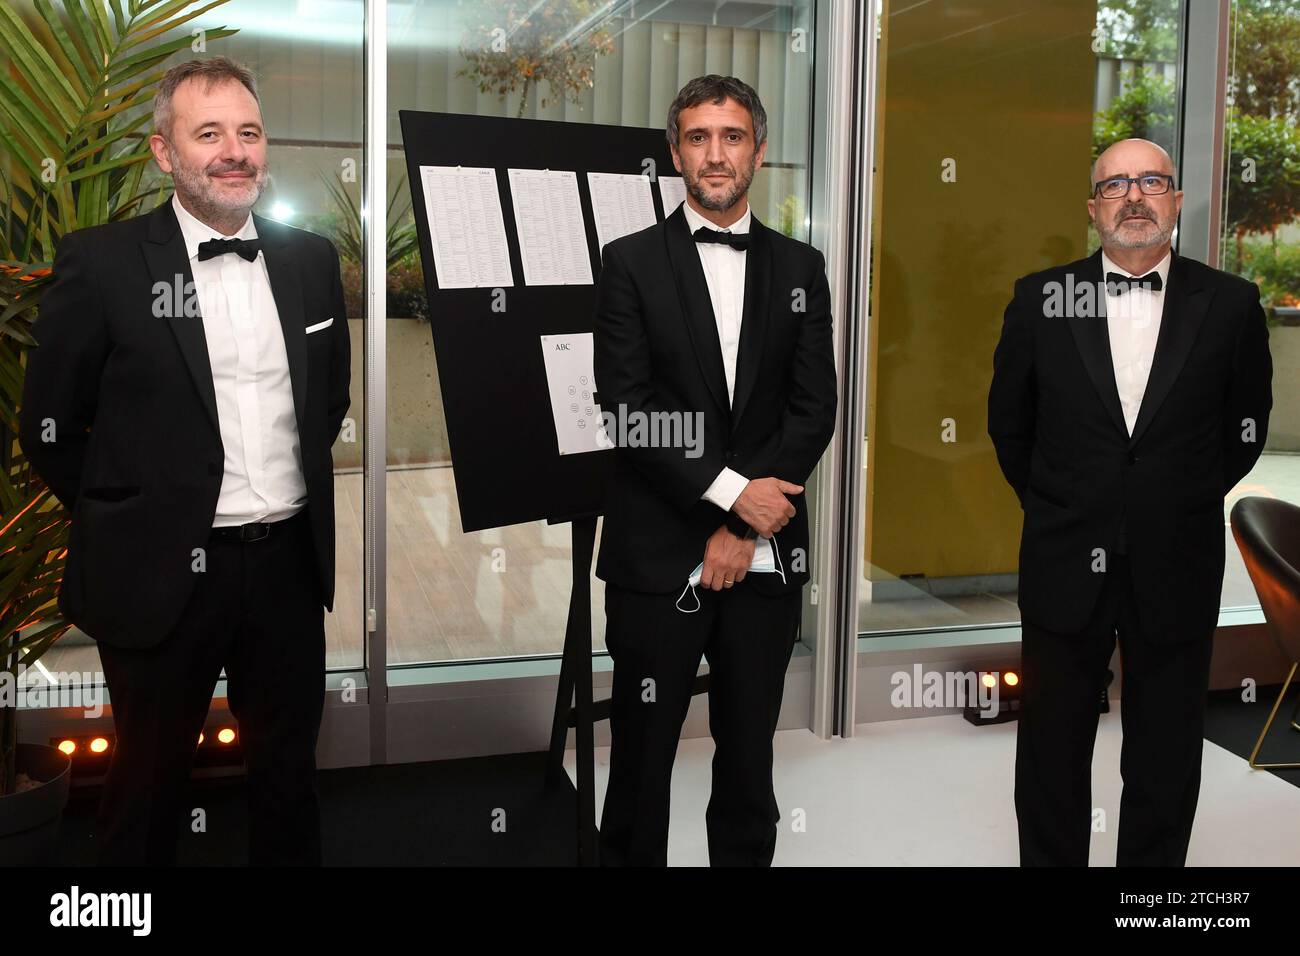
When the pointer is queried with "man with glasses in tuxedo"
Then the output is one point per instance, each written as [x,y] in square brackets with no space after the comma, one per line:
[1131,391]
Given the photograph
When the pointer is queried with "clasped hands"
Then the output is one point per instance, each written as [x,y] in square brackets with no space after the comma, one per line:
[763,506]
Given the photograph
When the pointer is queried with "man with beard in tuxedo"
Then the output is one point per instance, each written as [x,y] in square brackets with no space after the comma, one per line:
[190,378]
[1131,391]
[704,551]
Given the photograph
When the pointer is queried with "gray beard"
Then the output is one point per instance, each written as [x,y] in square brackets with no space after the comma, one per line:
[1114,236]
[739,187]
[195,187]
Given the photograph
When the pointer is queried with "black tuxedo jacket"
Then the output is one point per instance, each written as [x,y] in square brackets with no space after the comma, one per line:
[1055,419]
[137,457]
[657,350]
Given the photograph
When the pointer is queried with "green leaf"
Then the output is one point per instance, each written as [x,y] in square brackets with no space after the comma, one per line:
[75,55]
[95,169]
[35,65]
[98,20]
[21,126]
[100,145]
[161,11]
[172,24]
[96,46]
[119,18]
[133,64]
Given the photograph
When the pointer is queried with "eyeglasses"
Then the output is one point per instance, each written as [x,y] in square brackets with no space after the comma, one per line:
[1117,187]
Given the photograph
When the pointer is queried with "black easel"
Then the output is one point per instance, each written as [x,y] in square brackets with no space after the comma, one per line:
[493,378]
[576,680]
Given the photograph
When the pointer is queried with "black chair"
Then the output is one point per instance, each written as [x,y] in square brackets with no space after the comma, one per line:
[1268,533]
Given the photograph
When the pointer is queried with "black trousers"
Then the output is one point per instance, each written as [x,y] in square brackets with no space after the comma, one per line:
[747,639]
[257,611]
[1162,715]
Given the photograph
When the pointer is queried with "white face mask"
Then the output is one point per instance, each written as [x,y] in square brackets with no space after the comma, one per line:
[766,561]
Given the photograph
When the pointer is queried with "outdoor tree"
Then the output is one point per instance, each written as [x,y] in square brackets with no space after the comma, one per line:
[1145,110]
[1139,29]
[1263,177]
[1265,79]
[512,46]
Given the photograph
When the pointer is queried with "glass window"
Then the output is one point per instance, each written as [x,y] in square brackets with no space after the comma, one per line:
[1260,236]
[504,592]
[307,59]
[1021,96]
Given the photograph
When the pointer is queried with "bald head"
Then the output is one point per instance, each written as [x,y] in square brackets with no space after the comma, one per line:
[1136,215]
[1141,155]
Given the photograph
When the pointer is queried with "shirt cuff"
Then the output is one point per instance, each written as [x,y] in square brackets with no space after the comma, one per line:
[726,488]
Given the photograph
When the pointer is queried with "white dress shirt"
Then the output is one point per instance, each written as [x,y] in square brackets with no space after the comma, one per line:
[1133,321]
[724,272]
[262,479]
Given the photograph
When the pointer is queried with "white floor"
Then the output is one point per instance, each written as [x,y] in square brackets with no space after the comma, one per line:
[936,791]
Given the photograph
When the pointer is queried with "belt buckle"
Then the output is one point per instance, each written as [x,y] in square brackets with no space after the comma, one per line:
[255,531]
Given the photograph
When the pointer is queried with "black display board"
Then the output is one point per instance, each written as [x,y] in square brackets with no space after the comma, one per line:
[504,454]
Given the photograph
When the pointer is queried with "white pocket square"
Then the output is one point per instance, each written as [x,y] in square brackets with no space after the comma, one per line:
[318,326]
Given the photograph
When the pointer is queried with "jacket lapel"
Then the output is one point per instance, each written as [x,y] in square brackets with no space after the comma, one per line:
[1092,336]
[753,325]
[697,307]
[1184,309]
[287,292]
[164,252]
[1180,320]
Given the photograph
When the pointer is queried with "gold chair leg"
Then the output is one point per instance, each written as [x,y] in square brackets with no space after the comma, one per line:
[1264,733]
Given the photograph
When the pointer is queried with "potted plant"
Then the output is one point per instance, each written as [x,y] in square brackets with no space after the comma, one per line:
[75,99]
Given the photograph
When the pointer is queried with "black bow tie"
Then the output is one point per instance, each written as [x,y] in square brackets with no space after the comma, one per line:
[737,240]
[244,248]
[1117,283]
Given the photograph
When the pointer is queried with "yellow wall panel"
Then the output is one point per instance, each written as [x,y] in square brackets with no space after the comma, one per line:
[1004,90]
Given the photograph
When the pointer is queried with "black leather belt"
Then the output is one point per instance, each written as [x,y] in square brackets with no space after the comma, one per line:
[256,530]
